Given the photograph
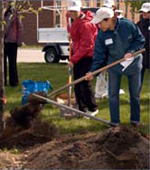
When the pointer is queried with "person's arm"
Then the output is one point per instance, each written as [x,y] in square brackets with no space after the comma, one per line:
[100,56]
[86,42]
[138,39]
[9,23]
[19,31]
[100,53]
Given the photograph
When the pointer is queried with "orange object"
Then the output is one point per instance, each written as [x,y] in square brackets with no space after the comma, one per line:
[69,69]
[69,79]
[4,100]
[148,136]
[69,74]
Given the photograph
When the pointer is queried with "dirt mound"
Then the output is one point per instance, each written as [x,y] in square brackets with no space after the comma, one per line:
[125,148]
[117,148]
[24,128]
[16,136]
[8,160]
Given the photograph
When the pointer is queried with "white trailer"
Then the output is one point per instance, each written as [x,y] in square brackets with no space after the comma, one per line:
[56,44]
[52,35]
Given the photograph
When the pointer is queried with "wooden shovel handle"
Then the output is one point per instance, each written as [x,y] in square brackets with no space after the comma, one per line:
[70,69]
[94,73]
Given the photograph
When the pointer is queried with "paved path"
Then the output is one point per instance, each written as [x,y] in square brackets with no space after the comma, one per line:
[30,55]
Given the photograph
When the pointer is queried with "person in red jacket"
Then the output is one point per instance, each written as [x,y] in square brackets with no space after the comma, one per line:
[83,34]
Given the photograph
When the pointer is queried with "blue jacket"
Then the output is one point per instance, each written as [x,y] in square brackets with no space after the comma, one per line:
[112,45]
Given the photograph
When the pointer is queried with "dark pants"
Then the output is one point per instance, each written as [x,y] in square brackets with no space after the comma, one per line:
[10,52]
[83,91]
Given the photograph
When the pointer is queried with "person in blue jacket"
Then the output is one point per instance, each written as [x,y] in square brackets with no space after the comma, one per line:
[116,39]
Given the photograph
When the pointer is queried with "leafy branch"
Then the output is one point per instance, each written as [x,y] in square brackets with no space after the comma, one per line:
[135,5]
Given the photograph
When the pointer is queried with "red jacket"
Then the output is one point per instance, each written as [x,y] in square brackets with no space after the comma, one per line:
[69,22]
[83,34]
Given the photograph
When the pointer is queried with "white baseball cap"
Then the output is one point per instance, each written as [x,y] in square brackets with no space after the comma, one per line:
[102,14]
[119,10]
[74,5]
[108,3]
[145,7]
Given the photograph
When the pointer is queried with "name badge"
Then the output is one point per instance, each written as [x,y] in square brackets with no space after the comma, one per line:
[149,28]
[108,41]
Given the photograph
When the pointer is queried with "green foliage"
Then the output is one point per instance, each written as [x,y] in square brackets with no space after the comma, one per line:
[57,74]
[135,5]
[24,6]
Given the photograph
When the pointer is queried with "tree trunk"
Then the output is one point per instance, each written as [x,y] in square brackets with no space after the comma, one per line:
[1,68]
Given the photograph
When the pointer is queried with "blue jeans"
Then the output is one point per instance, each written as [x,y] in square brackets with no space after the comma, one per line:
[142,76]
[134,81]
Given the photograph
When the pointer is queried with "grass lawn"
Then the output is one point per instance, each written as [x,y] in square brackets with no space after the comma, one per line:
[57,75]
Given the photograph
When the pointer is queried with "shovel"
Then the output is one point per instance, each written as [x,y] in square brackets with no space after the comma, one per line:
[69,74]
[67,108]
[94,73]
[62,111]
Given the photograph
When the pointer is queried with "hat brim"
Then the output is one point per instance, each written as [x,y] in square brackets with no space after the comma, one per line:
[74,8]
[108,5]
[96,20]
[144,10]
[119,10]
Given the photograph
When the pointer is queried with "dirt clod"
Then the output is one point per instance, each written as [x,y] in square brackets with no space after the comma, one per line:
[24,115]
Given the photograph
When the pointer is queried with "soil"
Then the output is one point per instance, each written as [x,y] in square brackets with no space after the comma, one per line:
[41,148]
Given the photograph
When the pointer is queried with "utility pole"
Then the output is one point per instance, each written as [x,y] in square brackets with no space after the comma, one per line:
[1,68]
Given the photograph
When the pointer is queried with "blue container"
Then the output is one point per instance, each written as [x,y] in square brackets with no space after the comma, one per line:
[29,86]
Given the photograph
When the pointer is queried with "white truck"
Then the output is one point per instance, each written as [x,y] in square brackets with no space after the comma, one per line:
[57,44]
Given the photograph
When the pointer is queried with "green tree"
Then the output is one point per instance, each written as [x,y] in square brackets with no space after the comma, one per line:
[135,5]
[20,7]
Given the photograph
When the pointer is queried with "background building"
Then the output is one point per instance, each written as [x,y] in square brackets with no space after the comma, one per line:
[53,14]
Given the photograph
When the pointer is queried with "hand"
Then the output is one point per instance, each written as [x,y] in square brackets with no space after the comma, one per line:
[127,56]
[70,64]
[89,76]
